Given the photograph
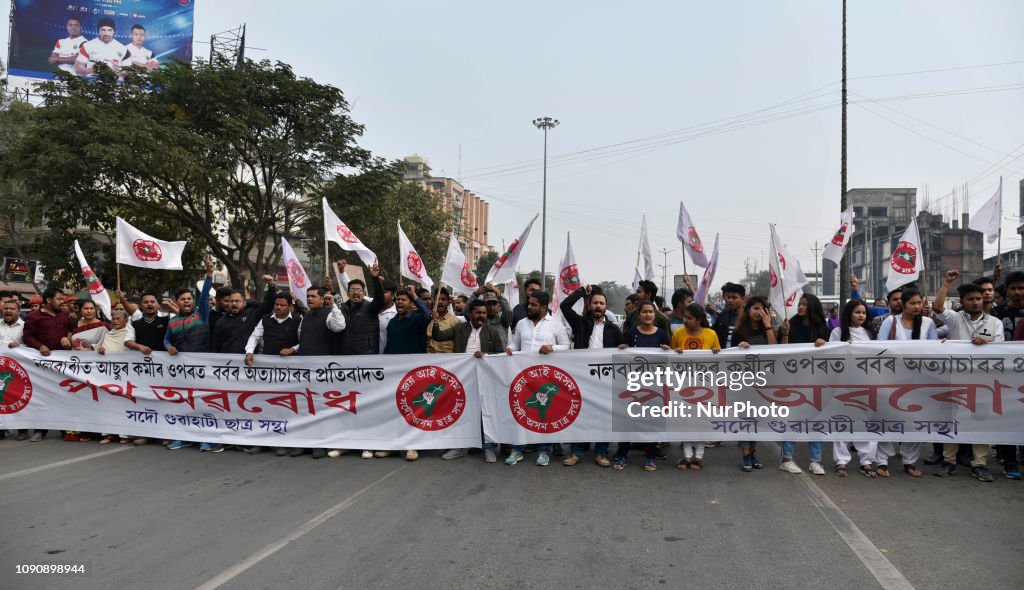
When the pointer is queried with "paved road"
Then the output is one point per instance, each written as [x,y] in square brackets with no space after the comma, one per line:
[150,518]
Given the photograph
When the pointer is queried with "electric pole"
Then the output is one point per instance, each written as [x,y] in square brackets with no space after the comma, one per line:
[544,123]
[817,273]
[844,265]
[664,269]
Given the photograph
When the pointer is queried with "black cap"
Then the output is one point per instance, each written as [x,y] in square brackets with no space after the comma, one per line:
[106,22]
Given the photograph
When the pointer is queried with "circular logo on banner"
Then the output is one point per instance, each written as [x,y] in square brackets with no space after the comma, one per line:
[467,277]
[840,236]
[414,263]
[544,399]
[147,250]
[15,386]
[772,277]
[430,398]
[694,240]
[346,234]
[570,279]
[904,259]
[296,274]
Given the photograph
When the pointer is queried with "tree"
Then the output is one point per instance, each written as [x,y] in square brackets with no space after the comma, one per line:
[372,202]
[224,156]
[615,294]
[484,264]
[15,117]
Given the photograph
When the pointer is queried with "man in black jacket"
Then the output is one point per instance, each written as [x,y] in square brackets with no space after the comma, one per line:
[362,334]
[237,323]
[590,331]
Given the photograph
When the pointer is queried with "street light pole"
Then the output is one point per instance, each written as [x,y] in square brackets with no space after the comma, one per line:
[544,123]
[664,271]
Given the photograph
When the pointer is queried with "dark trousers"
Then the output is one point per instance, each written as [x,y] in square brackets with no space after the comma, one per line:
[650,448]
[1009,455]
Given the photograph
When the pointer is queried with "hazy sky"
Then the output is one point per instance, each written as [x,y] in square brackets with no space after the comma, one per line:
[689,95]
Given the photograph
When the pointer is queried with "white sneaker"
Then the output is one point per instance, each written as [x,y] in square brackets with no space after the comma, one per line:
[334,453]
[411,455]
[367,454]
[816,469]
[790,467]
[453,454]
[490,456]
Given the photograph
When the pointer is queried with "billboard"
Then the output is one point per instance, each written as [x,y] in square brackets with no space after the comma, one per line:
[51,35]
[17,270]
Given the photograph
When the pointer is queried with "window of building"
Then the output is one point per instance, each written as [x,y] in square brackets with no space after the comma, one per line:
[858,211]
[877,212]
[858,256]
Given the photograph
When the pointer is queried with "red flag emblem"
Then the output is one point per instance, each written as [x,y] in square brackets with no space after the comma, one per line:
[147,250]
[904,259]
[346,234]
[296,274]
[694,239]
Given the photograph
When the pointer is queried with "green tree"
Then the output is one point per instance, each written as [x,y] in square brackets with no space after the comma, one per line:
[615,294]
[224,156]
[484,264]
[15,117]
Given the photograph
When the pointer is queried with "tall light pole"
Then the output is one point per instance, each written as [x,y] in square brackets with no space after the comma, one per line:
[664,270]
[544,123]
[844,262]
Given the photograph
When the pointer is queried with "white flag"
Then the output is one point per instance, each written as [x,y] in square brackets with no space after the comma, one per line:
[411,265]
[784,275]
[568,280]
[988,219]
[835,249]
[688,236]
[504,267]
[645,251]
[98,294]
[135,248]
[709,275]
[512,293]
[297,279]
[907,260]
[339,233]
[457,274]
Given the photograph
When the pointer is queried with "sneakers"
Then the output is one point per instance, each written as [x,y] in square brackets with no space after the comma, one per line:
[649,464]
[411,455]
[205,447]
[22,436]
[381,454]
[933,460]
[747,465]
[816,468]
[36,437]
[981,473]
[453,454]
[281,452]
[543,459]
[319,453]
[367,455]
[216,448]
[571,460]
[334,453]
[754,463]
[1012,473]
[602,460]
[490,456]
[945,470]
[178,444]
[253,450]
[514,457]
[788,466]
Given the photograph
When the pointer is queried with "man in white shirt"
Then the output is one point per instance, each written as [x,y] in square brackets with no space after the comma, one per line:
[103,48]
[971,323]
[65,51]
[136,54]
[537,332]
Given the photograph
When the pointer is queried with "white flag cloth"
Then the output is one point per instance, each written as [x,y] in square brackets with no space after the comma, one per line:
[647,273]
[504,267]
[135,248]
[411,265]
[709,275]
[457,274]
[98,294]
[988,219]
[688,236]
[835,249]
[907,260]
[512,293]
[297,279]
[785,277]
[339,233]
[568,280]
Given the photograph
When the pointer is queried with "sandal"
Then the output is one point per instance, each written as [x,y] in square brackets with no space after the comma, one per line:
[911,471]
[649,464]
[683,463]
[697,464]
[620,463]
[840,471]
[124,441]
[867,471]
[882,471]
[106,440]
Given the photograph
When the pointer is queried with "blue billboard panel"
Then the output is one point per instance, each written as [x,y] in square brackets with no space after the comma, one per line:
[50,35]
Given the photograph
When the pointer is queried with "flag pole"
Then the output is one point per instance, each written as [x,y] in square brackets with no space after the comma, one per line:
[782,284]
[999,243]
[118,265]
[327,259]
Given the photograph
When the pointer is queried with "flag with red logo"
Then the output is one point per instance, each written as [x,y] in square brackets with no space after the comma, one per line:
[297,278]
[97,293]
[907,260]
[688,236]
[457,274]
[784,276]
[339,233]
[568,280]
[709,275]
[835,249]
[135,248]
[504,267]
[411,266]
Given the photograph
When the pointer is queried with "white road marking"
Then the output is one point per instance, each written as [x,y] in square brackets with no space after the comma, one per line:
[233,571]
[62,463]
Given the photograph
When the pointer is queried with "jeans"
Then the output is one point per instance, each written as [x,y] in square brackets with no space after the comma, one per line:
[650,448]
[540,448]
[813,447]
[578,449]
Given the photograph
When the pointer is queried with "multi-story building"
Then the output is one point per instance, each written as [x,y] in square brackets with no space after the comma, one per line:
[469,212]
